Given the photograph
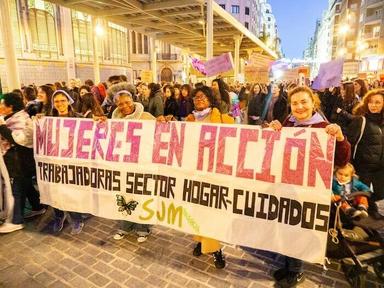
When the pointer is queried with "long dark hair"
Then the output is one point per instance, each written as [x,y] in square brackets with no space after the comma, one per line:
[186,87]
[48,92]
[88,102]
[349,91]
[224,95]
[363,89]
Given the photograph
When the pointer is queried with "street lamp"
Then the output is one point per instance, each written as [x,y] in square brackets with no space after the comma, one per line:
[99,30]
[344,29]
[342,52]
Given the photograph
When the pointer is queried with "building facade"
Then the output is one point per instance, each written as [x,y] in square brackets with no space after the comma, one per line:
[353,30]
[54,43]
[370,48]
[257,17]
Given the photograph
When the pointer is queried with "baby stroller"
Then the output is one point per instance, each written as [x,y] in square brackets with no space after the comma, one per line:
[356,244]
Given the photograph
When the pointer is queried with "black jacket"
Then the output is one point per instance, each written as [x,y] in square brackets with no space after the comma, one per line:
[171,107]
[18,159]
[370,150]
[255,108]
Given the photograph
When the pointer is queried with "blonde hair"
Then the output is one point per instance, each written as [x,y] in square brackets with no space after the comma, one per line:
[347,166]
[315,98]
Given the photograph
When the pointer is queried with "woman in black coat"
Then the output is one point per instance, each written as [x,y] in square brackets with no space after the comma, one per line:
[171,107]
[365,133]
[255,105]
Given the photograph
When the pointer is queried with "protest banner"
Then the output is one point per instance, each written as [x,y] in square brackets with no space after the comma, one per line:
[256,74]
[239,184]
[219,64]
[330,75]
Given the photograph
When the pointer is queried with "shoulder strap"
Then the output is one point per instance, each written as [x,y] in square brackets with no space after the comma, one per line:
[361,135]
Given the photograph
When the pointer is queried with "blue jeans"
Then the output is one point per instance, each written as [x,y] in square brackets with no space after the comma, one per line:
[19,195]
[74,215]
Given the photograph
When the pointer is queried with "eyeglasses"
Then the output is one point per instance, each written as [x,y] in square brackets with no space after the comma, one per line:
[201,97]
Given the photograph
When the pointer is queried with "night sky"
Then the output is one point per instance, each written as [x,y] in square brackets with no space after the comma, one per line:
[296,20]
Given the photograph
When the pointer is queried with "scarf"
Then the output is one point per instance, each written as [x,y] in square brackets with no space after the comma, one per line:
[200,115]
[316,118]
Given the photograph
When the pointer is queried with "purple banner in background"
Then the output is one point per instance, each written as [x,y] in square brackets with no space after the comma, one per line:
[198,65]
[219,64]
[330,75]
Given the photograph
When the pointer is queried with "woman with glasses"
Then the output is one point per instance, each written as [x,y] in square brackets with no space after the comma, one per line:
[203,100]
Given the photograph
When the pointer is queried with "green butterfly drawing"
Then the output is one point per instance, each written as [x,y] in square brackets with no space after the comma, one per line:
[124,207]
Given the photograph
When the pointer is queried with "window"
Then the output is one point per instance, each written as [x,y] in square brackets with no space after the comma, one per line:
[235,9]
[146,44]
[246,10]
[139,43]
[116,44]
[246,24]
[269,19]
[82,36]
[267,11]
[376,31]
[41,21]
[133,36]
[222,6]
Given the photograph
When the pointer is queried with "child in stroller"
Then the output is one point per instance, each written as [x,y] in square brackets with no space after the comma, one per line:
[346,182]
[354,240]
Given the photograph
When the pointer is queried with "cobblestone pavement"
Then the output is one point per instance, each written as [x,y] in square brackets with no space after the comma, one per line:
[34,258]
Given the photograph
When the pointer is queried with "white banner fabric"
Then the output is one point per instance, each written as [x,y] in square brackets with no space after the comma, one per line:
[239,184]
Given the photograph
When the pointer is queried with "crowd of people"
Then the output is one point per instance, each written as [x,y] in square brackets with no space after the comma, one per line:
[352,113]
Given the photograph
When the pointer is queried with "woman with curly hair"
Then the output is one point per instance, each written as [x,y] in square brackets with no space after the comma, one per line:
[366,136]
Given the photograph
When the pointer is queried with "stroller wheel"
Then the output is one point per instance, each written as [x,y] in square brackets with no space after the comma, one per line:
[378,267]
[354,277]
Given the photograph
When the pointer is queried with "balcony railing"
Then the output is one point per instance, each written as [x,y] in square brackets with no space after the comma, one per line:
[373,2]
[373,17]
[371,35]
[168,56]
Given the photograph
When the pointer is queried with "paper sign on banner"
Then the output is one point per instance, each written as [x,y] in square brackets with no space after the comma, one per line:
[239,184]
[330,75]
[219,64]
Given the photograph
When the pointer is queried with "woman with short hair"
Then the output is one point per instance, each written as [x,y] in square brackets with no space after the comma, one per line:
[205,112]
[127,109]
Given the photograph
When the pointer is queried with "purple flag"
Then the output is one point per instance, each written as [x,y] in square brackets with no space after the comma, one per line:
[330,75]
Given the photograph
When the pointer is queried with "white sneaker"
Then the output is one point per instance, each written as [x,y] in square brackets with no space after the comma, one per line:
[120,234]
[142,239]
[34,213]
[142,236]
[9,227]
